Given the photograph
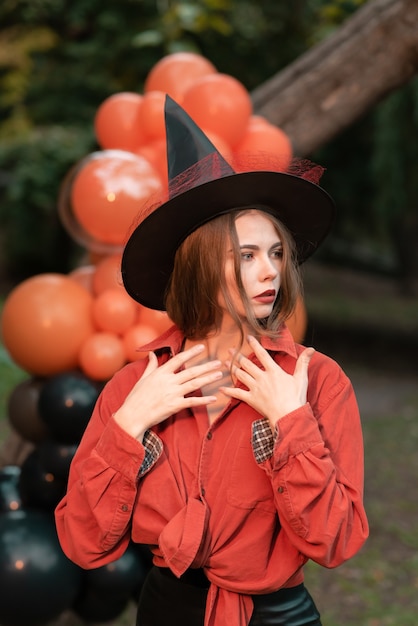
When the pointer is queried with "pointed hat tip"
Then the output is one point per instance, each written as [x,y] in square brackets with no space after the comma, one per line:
[187,144]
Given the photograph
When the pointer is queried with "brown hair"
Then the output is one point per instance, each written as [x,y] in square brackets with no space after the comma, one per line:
[199,276]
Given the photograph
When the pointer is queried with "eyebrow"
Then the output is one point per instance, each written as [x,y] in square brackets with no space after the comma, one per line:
[249,246]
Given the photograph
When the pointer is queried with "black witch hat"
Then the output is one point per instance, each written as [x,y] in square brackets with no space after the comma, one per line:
[202,185]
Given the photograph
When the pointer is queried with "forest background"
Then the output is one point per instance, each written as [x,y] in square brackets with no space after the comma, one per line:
[60,59]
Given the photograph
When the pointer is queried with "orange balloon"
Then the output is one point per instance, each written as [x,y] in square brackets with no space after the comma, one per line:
[220,104]
[117,122]
[257,121]
[107,274]
[102,355]
[45,321]
[175,73]
[156,153]
[158,320]
[137,336]
[269,142]
[114,311]
[298,321]
[152,118]
[83,276]
[108,191]
[220,144]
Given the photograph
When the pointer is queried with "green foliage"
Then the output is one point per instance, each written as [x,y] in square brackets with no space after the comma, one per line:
[32,169]
[88,57]
[395,156]
[62,58]
[331,14]
[372,176]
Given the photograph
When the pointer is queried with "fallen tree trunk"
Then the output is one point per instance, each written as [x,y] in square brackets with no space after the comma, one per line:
[336,82]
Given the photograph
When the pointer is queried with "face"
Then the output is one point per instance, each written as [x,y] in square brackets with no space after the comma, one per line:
[261,261]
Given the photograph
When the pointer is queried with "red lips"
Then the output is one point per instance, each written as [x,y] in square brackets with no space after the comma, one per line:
[267,297]
[268,293]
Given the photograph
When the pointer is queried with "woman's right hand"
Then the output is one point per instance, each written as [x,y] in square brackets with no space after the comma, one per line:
[163,391]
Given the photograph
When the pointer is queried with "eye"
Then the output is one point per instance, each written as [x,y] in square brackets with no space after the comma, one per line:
[246,256]
[278,253]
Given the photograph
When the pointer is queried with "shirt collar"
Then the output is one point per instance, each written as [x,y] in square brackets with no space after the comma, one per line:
[172,340]
[284,342]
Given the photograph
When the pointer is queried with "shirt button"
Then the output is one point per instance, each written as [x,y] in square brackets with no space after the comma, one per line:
[280,489]
[125,508]
[209,436]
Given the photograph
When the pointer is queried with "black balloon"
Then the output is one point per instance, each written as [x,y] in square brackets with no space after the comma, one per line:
[107,590]
[39,489]
[23,411]
[65,405]
[37,581]
[10,499]
[56,457]
[119,577]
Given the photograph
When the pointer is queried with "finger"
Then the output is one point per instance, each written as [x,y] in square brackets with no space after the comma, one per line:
[151,365]
[260,352]
[152,358]
[243,363]
[197,370]
[182,357]
[235,392]
[303,361]
[192,401]
[196,383]
[243,376]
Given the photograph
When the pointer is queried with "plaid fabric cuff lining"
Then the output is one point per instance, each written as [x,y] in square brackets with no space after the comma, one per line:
[153,448]
[263,439]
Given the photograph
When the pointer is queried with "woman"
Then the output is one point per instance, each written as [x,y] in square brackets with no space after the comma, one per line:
[234,453]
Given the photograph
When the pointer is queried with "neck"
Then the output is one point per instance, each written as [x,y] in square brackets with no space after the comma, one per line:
[220,342]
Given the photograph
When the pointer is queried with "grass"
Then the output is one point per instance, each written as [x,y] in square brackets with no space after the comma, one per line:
[379,587]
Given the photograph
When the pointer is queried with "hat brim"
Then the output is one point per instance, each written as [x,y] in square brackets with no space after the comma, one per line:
[305,209]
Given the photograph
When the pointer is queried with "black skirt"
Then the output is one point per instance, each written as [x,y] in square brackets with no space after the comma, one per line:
[167,600]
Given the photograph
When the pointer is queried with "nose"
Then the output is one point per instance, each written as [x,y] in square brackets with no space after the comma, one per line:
[269,268]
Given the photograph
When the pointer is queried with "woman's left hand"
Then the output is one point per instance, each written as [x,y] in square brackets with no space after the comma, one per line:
[271,391]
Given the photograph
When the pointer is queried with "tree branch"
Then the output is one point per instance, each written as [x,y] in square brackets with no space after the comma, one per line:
[336,82]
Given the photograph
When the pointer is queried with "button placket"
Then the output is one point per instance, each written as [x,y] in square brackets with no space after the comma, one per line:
[203,462]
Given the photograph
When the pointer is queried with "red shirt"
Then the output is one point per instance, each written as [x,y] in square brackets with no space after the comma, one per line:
[248,508]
